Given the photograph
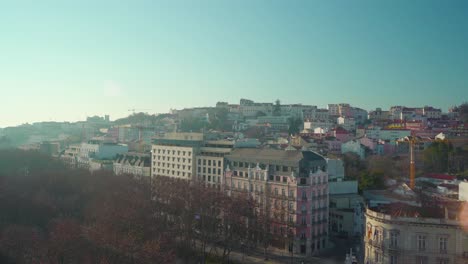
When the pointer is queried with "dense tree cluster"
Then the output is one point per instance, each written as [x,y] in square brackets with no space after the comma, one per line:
[51,214]
[442,156]
[372,172]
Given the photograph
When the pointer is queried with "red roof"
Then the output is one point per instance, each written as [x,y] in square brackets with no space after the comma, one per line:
[340,130]
[440,176]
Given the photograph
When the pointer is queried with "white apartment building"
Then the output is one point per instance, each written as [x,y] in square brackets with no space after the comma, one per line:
[347,123]
[173,155]
[188,156]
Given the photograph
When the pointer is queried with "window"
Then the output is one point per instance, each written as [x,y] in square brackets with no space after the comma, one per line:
[303,220]
[443,261]
[421,243]
[219,163]
[304,195]
[209,170]
[276,191]
[283,192]
[291,193]
[209,162]
[204,162]
[421,259]
[393,239]
[199,162]
[443,244]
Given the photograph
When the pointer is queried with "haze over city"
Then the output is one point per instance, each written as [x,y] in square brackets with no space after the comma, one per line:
[234,132]
[69,60]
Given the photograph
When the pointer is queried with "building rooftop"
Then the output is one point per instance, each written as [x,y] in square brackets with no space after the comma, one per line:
[267,155]
[439,176]
[448,211]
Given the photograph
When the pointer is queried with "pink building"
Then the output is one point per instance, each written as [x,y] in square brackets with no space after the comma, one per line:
[292,186]
[341,134]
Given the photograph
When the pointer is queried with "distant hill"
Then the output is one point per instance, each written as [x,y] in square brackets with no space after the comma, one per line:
[141,119]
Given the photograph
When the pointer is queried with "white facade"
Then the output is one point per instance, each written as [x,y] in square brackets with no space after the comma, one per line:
[354,146]
[173,161]
[400,240]
[463,191]
[327,125]
[387,134]
[347,123]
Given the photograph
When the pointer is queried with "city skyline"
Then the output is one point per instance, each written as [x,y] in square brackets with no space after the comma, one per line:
[67,61]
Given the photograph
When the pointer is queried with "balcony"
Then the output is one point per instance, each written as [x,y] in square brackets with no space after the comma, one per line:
[375,243]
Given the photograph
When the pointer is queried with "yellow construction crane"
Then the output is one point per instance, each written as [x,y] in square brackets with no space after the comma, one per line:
[412,140]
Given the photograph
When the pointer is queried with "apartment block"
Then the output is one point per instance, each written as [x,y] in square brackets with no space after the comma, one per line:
[397,233]
[292,187]
[189,156]
[210,161]
[173,155]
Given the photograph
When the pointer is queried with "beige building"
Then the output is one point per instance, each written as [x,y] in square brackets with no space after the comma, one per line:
[137,164]
[210,161]
[188,156]
[403,234]
[173,155]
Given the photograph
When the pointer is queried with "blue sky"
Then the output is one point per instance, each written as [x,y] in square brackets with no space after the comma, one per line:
[65,60]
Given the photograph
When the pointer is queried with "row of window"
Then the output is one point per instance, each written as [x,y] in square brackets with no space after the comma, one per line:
[173,165]
[172,172]
[262,166]
[209,162]
[213,171]
[394,259]
[421,240]
[313,194]
[173,152]
[214,179]
[173,158]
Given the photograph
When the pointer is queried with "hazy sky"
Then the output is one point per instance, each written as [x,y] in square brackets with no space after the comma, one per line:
[65,60]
